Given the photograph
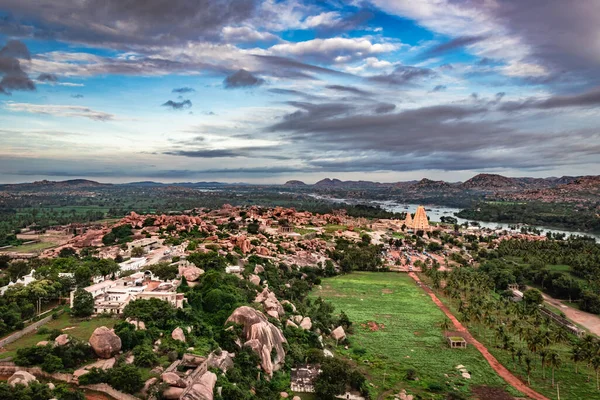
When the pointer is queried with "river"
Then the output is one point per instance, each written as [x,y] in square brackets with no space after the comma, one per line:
[436,212]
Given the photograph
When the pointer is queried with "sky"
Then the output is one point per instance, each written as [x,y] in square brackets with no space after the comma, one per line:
[273,90]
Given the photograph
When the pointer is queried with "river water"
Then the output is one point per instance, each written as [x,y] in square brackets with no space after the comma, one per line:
[436,212]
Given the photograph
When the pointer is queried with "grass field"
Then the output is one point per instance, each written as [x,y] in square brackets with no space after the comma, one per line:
[33,247]
[82,329]
[408,337]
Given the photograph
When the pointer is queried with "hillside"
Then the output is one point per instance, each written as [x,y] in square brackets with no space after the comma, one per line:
[294,183]
[55,185]
[490,182]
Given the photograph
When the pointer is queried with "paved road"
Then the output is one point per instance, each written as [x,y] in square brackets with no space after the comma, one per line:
[495,364]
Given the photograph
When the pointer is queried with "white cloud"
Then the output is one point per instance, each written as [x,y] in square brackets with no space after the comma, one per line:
[242,34]
[331,48]
[323,19]
[59,110]
[456,19]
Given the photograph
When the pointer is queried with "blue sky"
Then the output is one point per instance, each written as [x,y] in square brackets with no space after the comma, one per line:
[267,91]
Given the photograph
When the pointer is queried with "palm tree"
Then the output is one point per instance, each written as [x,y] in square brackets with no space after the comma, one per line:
[595,361]
[554,361]
[528,361]
[543,353]
[577,355]
[519,353]
[446,324]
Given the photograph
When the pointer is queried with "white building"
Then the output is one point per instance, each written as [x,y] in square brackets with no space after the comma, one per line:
[111,296]
[233,269]
[133,264]
[25,280]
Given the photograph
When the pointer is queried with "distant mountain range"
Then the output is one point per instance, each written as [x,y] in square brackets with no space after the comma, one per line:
[480,182]
[487,183]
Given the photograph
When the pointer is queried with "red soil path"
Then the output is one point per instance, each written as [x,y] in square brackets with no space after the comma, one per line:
[499,368]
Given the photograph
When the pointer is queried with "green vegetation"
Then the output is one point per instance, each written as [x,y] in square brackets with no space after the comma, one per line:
[566,269]
[396,330]
[126,378]
[118,235]
[561,215]
[530,345]
[79,329]
[32,247]
[38,391]
[83,303]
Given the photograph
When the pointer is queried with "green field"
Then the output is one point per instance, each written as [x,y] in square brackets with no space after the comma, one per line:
[82,329]
[410,338]
[32,248]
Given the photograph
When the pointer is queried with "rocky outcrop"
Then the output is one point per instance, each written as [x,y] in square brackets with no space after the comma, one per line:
[177,334]
[147,385]
[61,340]
[243,243]
[259,269]
[138,324]
[338,334]
[172,393]
[255,279]
[223,360]
[272,306]
[261,336]
[191,274]
[306,324]
[203,389]
[192,360]
[290,323]
[105,342]
[172,379]
[283,303]
[21,378]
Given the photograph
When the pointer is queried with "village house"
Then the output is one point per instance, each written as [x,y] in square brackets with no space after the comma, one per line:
[111,296]
[302,379]
[147,244]
[133,264]
[25,280]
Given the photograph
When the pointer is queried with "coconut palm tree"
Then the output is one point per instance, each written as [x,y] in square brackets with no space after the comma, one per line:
[554,361]
[528,365]
[577,355]
[595,361]
[446,324]
[519,353]
[543,353]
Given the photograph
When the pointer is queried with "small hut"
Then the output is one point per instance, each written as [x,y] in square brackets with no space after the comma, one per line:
[455,340]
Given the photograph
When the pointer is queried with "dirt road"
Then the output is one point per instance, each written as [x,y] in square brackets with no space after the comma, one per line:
[495,364]
[591,322]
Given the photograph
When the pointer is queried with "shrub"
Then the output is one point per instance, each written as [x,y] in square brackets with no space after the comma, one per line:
[411,374]
[144,356]
[52,364]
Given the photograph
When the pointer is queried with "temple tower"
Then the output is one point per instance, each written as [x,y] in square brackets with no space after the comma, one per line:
[420,222]
[408,221]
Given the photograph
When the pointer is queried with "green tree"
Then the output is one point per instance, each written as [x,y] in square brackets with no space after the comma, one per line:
[332,379]
[533,297]
[83,303]
[554,362]
[126,378]
[144,356]
[137,252]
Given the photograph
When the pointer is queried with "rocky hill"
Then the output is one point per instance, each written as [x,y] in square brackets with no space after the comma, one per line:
[428,184]
[43,185]
[294,183]
[492,182]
